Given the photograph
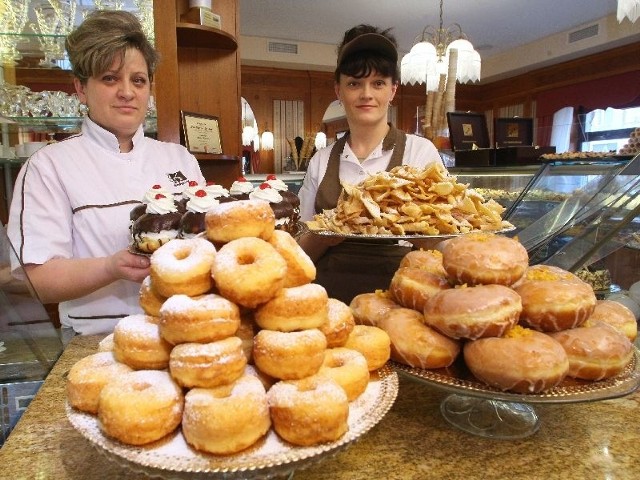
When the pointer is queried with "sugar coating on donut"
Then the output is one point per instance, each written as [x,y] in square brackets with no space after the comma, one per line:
[244,218]
[137,342]
[295,308]
[289,355]
[140,407]
[484,258]
[373,342]
[339,323]
[300,267]
[309,411]
[348,368]
[226,419]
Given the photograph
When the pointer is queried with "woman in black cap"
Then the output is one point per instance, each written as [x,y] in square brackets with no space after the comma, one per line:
[366,80]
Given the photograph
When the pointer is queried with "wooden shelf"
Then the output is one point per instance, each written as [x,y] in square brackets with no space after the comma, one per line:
[207,157]
[199,36]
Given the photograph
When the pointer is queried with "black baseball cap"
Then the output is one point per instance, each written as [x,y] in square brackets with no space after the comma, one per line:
[369,41]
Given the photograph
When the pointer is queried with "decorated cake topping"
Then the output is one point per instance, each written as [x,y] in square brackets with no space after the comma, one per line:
[216,190]
[200,202]
[241,186]
[161,204]
[191,189]
[265,192]
[276,183]
[155,190]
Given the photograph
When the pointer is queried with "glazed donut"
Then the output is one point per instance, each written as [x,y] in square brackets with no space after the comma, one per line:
[226,419]
[429,260]
[202,319]
[295,308]
[370,308]
[484,258]
[248,271]
[617,315]
[207,365]
[348,368]
[473,312]
[140,407]
[373,342]
[596,350]
[309,411]
[412,287]
[244,218]
[554,299]
[106,344]
[87,378]
[523,361]
[415,344]
[289,355]
[137,343]
[150,300]
[300,268]
[339,323]
[182,266]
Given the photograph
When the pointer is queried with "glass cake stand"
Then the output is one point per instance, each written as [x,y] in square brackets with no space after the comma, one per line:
[481,410]
[270,457]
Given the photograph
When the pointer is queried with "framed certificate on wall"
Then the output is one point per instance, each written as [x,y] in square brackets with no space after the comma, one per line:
[201,133]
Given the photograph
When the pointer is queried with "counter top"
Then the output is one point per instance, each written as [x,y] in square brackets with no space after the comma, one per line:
[584,440]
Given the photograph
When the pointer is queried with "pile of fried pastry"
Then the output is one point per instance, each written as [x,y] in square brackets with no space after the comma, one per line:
[411,201]
[516,327]
[235,341]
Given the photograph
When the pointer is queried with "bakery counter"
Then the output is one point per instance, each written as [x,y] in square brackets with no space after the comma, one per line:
[413,441]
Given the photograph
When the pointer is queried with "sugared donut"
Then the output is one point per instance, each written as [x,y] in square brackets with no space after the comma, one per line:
[484,258]
[245,218]
[289,355]
[295,308]
[226,419]
[300,268]
[88,377]
[137,342]
[411,287]
[430,260]
[415,344]
[370,308]
[348,368]
[246,331]
[265,379]
[249,271]
[140,407]
[373,342]
[339,323]
[207,365]
[106,344]
[554,299]
[202,319]
[617,315]
[182,266]
[596,350]
[150,300]
[523,361]
[473,312]
[309,411]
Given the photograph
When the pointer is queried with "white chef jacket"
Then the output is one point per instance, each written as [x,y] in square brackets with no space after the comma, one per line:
[72,199]
[419,152]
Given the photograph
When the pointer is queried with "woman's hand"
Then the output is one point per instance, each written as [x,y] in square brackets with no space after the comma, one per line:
[127,266]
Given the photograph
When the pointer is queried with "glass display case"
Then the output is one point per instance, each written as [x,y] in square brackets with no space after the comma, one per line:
[29,342]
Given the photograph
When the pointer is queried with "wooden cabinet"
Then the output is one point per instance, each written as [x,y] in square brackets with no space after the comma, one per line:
[199,72]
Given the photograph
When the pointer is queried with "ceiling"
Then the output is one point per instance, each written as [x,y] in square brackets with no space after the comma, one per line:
[495,27]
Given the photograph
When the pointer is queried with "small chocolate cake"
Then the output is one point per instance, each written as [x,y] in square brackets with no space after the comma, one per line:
[151,230]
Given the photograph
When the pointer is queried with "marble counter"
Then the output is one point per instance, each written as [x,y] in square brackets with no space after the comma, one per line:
[598,440]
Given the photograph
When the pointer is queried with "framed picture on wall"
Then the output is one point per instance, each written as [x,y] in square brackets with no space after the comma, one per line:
[201,133]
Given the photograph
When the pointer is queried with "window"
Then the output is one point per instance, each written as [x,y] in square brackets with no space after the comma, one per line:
[608,130]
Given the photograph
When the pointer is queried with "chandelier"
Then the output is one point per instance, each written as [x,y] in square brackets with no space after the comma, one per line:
[440,51]
[629,9]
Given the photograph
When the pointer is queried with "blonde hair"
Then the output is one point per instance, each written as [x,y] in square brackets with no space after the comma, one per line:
[104,36]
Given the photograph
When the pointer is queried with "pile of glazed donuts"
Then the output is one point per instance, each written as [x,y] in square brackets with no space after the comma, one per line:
[518,328]
[235,340]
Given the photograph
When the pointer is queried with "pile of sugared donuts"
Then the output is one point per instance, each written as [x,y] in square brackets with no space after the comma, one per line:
[235,340]
[519,328]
